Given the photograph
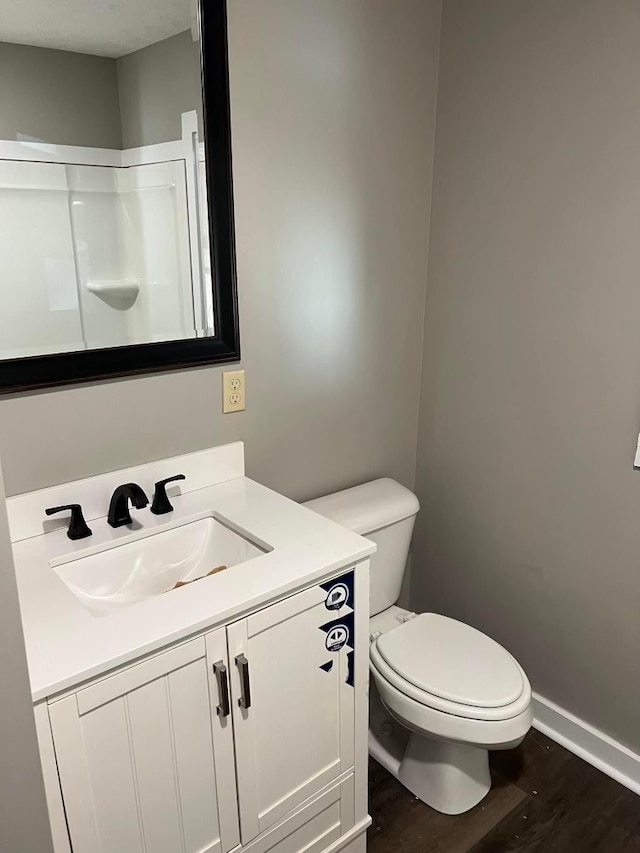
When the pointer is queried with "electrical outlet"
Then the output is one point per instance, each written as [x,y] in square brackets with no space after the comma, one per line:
[233,391]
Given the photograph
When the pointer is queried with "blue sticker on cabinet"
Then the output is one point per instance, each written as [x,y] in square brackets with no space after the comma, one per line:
[351,657]
[339,632]
[336,638]
[339,592]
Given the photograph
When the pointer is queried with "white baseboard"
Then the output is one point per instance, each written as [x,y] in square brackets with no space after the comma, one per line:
[588,743]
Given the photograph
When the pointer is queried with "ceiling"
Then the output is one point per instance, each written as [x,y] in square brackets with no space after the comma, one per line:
[101,27]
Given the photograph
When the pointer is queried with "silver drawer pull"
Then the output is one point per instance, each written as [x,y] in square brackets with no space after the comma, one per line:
[243,666]
[220,672]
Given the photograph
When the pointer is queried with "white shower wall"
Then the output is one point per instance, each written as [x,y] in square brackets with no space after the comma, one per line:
[38,291]
[154,201]
[95,226]
[131,225]
[206,269]
[67,231]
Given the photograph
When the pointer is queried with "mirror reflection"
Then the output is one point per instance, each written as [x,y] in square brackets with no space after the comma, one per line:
[103,216]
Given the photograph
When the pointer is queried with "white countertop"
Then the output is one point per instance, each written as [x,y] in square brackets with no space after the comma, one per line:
[66,644]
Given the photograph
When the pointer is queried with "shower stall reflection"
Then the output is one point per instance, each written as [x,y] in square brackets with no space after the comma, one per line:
[102,247]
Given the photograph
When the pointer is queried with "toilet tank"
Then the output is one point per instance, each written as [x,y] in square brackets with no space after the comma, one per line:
[383,511]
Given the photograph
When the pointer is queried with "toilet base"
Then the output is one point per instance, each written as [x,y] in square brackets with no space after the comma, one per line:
[449,777]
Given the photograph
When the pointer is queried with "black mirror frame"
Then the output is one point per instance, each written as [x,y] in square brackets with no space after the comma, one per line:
[20,374]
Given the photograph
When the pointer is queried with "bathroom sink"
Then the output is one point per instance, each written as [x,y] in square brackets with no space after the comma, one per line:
[128,573]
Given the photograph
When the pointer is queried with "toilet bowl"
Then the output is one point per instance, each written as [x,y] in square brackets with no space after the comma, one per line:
[443,693]
[458,693]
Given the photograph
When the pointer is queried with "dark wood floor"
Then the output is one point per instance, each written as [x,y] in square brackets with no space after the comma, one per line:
[543,799]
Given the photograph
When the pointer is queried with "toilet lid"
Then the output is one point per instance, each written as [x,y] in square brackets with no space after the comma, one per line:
[452,660]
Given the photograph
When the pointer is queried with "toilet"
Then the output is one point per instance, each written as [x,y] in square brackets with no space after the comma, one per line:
[443,694]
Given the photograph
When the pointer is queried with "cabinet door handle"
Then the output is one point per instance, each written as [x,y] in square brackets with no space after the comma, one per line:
[243,665]
[220,672]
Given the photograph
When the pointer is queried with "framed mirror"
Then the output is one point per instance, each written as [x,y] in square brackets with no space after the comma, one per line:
[117,251]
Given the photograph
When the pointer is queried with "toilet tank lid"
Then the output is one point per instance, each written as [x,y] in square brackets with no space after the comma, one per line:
[366,508]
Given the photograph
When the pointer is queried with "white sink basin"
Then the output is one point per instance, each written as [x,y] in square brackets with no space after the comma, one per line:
[151,565]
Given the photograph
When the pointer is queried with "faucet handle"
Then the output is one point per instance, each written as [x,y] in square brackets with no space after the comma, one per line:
[78,527]
[161,503]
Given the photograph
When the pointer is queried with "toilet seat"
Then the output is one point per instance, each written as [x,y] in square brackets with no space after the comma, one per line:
[452,668]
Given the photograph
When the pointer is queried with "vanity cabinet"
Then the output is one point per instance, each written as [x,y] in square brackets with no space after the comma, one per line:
[298,735]
[145,763]
[240,738]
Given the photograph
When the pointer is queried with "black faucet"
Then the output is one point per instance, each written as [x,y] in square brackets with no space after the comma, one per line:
[119,514]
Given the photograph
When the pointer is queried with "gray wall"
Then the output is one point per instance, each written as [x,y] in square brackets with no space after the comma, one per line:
[333,123]
[156,85]
[59,97]
[530,403]
[24,825]
[75,99]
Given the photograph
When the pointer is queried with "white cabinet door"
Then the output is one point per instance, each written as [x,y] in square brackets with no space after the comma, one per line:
[136,751]
[293,704]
